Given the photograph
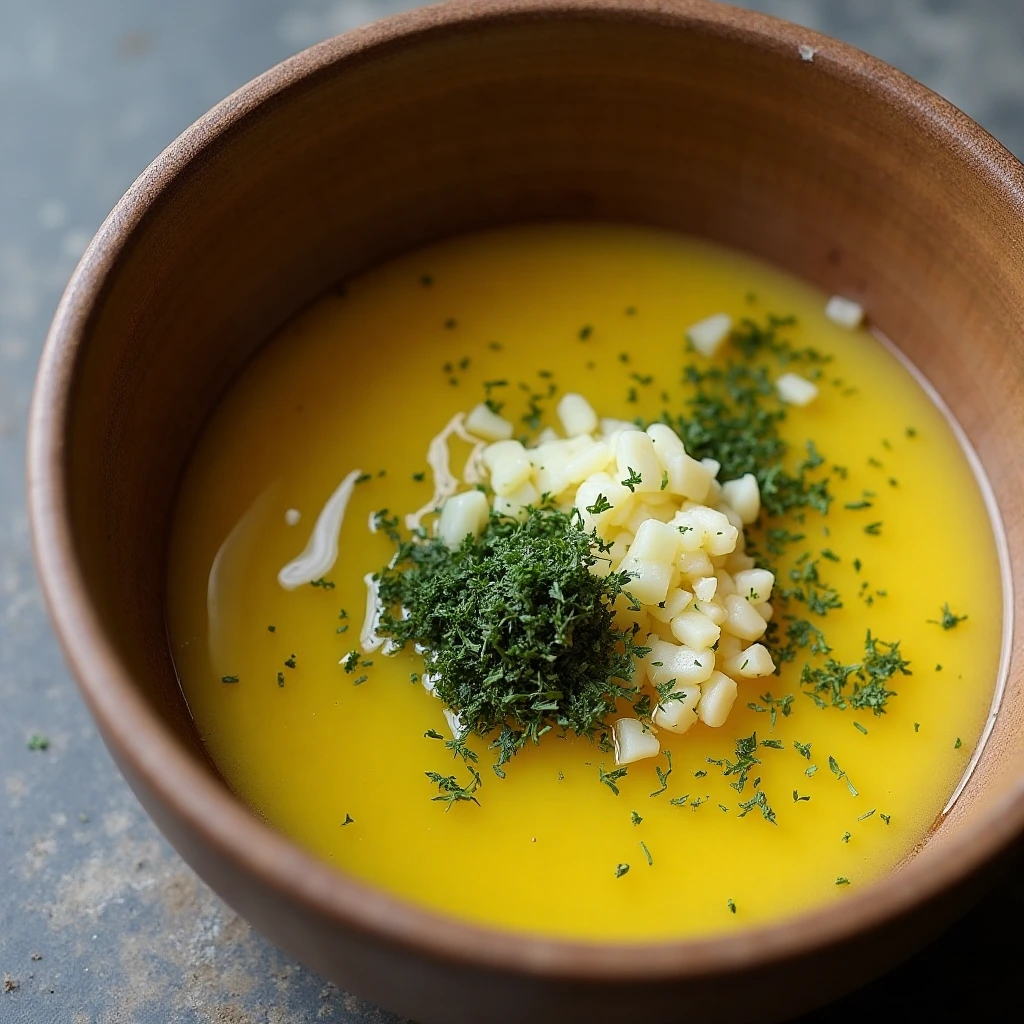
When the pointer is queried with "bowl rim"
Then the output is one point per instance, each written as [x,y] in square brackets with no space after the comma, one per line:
[174,775]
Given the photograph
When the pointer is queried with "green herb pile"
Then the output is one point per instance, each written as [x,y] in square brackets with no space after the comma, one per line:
[516,630]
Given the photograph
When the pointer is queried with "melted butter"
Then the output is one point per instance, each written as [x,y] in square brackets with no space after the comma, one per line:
[540,852]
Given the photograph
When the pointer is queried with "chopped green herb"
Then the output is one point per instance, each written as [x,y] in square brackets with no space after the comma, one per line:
[841,775]
[632,480]
[745,761]
[803,749]
[773,706]
[886,818]
[635,818]
[431,734]
[229,679]
[271,629]
[419,477]
[917,727]
[37,741]
[860,728]
[856,505]
[731,905]
[585,332]
[948,620]
[847,837]
[856,565]
[911,432]
[450,792]
[621,869]
[280,679]
[663,775]
[759,801]
[842,881]
[866,815]
[797,797]
[647,854]
[450,323]
[811,772]
[349,820]
[873,528]
[611,778]
[958,744]
[516,628]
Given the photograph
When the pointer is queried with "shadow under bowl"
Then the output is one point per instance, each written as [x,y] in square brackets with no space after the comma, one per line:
[685,115]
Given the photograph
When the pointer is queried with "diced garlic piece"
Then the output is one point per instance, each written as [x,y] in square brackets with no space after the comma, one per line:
[705,587]
[765,610]
[744,496]
[666,441]
[741,618]
[718,695]
[576,415]
[678,714]
[515,504]
[634,456]
[632,741]
[484,422]
[696,630]
[726,585]
[738,561]
[712,609]
[691,534]
[588,496]
[844,312]
[551,464]
[754,584]
[796,390]
[620,547]
[707,335]
[655,542]
[650,581]
[695,564]
[675,602]
[454,723]
[730,513]
[611,426]
[685,665]
[686,477]
[462,515]
[751,663]
[593,459]
[509,466]
[713,466]
[719,535]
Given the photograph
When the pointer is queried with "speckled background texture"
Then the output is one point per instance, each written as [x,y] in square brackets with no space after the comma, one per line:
[100,922]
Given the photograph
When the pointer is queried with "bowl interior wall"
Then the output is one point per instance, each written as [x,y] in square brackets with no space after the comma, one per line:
[704,131]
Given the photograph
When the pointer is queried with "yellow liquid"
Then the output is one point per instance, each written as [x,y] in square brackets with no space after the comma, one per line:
[358,380]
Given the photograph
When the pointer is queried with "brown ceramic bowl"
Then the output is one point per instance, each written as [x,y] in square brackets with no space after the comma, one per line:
[677,113]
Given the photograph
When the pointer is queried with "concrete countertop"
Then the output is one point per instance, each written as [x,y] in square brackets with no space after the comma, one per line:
[100,922]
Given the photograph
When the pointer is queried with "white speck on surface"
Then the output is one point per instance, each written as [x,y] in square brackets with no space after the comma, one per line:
[292,517]
[806,52]
[844,312]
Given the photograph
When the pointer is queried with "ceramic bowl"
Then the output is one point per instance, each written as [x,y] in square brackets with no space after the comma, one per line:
[683,114]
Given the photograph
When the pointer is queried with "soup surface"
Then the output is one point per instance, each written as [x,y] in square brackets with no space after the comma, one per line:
[363,379]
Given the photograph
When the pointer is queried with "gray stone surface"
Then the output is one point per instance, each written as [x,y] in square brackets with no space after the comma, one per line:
[100,922]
